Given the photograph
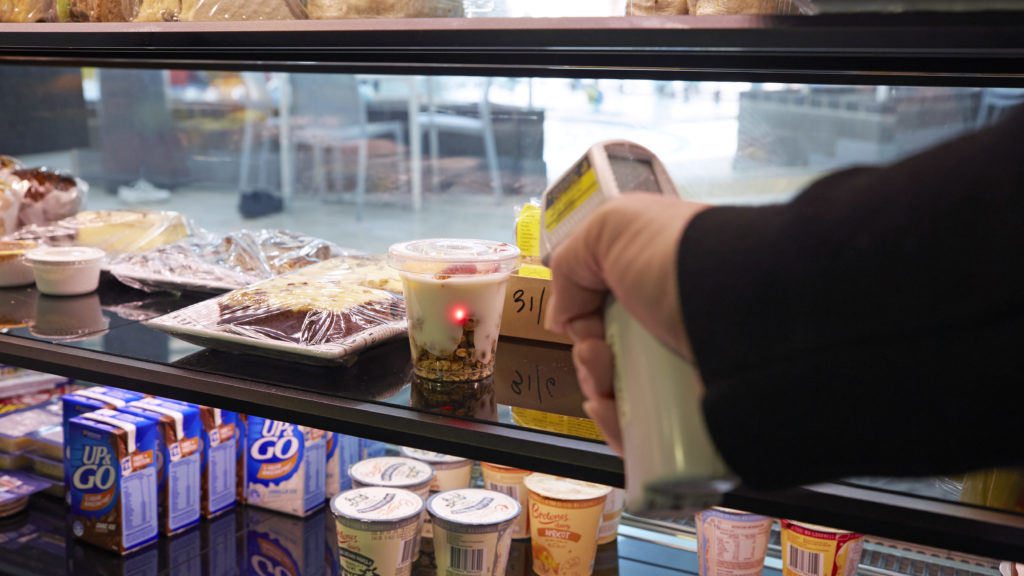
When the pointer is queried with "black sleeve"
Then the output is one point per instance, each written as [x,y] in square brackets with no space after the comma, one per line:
[873,325]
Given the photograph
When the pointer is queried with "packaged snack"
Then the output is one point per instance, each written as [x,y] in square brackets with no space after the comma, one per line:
[810,549]
[17,427]
[509,481]
[450,473]
[49,442]
[113,465]
[395,472]
[15,488]
[47,196]
[286,466]
[47,467]
[565,516]
[730,542]
[179,463]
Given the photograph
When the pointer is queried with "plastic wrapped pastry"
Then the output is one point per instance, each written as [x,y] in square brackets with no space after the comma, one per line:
[116,232]
[9,205]
[28,10]
[213,263]
[219,10]
[715,7]
[47,195]
[656,7]
[159,11]
[97,10]
[318,315]
[324,9]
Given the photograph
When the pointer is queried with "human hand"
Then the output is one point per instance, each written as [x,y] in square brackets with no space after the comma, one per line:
[628,248]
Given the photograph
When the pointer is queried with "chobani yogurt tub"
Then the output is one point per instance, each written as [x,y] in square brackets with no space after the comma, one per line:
[395,472]
[472,530]
[376,530]
[450,473]
[454,290]
[565,516]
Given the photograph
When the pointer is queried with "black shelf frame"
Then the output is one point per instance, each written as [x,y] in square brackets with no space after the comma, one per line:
[972,49]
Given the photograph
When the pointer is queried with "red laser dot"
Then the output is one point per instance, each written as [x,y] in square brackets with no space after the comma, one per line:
[459,315]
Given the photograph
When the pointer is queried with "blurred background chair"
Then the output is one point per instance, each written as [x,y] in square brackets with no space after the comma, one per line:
[324,113]
[436,122]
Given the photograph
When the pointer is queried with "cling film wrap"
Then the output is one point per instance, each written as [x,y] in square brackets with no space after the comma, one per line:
[235,10]
[9,205]
[21,11]
[319,314]
[97,10]
[46,195]
[327,9]
[116,232]
[716,7]
[217,264]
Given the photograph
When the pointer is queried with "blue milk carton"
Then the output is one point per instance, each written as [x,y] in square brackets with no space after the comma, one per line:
[286,466]
[179,461]
[283,545]
[89,400]
[112,460]
[373,448]
[220,460]
[342,451]
[241,468]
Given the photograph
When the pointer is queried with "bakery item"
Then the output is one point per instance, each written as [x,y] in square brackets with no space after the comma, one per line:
[221,10]
[718,7]
[9,205]
[317,305]
[47,195]
[28,10]
[9,164]
[159,11]
[99,11]
[127,231]
[656,7]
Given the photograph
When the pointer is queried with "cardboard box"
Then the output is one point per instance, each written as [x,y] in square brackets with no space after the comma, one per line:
[524,309]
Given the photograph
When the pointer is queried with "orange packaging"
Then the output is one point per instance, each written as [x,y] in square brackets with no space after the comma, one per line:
[564,519]
[809,550]
[509,481]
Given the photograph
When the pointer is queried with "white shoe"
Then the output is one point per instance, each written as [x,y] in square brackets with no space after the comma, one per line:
[142,192]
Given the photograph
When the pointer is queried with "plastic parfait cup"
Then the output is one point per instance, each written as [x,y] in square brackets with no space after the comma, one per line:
[376,530]
[510,481]
[731,543]
[472,530]
[395,472]
[811,549]
[454,291]
[565,516]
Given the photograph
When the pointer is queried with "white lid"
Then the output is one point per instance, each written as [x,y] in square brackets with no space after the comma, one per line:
[111,418]
[473,506]
[454,257]
[391,471]
[376,504]
[430,457]
[64,255]
[559,488]
[175,413]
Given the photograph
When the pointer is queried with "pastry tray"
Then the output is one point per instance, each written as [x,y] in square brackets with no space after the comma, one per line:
[197,324]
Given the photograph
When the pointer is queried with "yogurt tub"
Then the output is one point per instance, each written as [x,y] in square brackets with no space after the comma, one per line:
[510,481]
[731,542]
[609,530]
[454,291]
[807,546]
[376,530]
[66,270]
[14,269]
[472,530]
[450,473]
[395,472]
[565,516]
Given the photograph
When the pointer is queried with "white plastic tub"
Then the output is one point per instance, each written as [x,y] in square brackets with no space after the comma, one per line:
[66,270]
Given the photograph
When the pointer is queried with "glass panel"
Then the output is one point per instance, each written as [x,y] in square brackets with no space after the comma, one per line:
[365,161]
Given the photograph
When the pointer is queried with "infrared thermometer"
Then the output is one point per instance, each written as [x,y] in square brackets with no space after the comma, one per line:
[671,465]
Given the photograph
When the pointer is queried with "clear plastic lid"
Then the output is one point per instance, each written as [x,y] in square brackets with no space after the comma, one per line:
[391,471]
[65,255]
[558,488]
[473,506]
[446,257]
[431,457]
[377,504]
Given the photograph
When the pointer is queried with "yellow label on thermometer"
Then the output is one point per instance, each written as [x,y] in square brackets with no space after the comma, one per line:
[575,190]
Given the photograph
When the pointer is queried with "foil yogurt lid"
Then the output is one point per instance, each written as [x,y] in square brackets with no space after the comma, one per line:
[474,506]
[430,457]
[393,471]
[377,504]
[558,488]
